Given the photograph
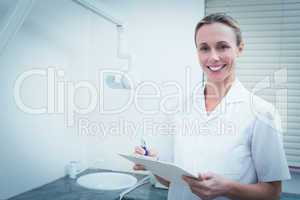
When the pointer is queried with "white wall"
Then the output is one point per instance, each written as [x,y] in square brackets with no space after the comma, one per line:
[61,34]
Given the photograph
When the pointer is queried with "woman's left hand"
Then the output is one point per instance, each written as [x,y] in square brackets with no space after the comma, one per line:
[208,186]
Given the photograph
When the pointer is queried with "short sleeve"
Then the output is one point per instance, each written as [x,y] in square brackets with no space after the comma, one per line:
[267,149]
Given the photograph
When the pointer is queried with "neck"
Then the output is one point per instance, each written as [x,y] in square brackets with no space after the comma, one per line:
[217,90]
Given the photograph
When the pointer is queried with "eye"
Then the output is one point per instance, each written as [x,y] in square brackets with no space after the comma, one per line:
[203,49]
[223,47]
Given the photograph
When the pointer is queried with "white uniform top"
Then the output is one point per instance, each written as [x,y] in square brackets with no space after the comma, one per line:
[241,140]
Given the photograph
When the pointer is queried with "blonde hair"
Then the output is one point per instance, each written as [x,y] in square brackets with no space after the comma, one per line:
[222,18]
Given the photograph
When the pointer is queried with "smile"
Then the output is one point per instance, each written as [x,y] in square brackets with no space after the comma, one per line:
[216,68]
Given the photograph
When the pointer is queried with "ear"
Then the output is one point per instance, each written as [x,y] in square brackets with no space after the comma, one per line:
[240,48]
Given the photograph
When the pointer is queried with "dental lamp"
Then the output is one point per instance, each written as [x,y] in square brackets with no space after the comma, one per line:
[114,81]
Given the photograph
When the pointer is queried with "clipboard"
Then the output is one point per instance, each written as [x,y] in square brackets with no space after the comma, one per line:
[166,170]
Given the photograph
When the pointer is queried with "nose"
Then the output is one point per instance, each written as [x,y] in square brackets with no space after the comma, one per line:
[214,55]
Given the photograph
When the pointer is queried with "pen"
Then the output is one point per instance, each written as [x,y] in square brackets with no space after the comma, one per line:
[144,146]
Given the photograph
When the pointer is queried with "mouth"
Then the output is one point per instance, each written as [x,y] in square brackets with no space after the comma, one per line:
[216,68]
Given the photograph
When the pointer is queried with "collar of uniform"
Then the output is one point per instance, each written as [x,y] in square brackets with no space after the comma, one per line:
[236,93]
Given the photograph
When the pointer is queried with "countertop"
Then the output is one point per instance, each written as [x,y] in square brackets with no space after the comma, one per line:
[67,189]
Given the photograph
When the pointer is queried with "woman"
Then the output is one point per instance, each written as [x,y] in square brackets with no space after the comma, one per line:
[243,158]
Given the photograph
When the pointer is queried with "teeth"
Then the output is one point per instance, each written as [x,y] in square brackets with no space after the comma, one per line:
[215,68]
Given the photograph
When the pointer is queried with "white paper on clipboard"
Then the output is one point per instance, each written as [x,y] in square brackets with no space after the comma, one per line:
[166,170]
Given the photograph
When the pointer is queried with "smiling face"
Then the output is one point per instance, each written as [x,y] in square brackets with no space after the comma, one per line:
[217,51]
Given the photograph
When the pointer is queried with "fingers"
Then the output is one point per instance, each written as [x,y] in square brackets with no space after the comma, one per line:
[153,153]
[138,167]
[141,151]
[194,182]
[190,180]
[200,177]
[207,175]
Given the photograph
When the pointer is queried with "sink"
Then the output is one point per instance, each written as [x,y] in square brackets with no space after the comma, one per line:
[107,181]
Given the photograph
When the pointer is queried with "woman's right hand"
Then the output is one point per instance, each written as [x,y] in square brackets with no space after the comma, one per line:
[139,150]
[154,154]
